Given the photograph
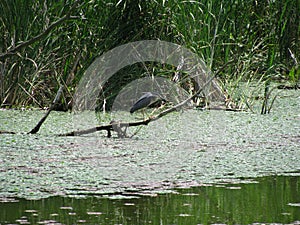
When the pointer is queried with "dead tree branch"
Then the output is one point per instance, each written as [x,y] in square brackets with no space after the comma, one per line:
[55,101]
[110,127]
[113,125]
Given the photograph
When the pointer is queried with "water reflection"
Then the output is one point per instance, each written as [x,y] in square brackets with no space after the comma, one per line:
[269,200]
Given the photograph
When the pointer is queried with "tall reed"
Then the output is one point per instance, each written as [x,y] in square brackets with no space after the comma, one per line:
[263,37]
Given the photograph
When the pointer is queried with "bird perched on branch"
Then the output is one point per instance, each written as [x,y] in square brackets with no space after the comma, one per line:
[148,99]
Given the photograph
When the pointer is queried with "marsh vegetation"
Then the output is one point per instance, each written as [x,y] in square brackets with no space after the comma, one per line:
[200,166]
[46,44]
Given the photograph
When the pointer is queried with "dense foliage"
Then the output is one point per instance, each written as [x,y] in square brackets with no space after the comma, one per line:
[47,43]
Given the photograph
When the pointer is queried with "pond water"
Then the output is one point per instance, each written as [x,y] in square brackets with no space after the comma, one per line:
[273,199]
[190,167]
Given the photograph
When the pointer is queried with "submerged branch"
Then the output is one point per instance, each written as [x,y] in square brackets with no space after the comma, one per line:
[55,101]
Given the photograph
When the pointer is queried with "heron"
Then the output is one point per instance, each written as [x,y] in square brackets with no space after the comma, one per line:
[148,99]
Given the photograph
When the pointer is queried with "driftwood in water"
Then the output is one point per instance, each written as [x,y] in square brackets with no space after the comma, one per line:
[116,126]
[39,124]
[7,132]
[55,101]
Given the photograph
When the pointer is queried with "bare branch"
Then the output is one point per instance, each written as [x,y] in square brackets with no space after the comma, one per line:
[115,124]
[55,101]
[110,127]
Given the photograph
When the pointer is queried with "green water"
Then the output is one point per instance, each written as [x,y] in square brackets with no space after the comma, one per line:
[268,200]
[173,171]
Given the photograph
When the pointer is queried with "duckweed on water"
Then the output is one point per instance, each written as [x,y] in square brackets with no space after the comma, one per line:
[193,147]
[182,150]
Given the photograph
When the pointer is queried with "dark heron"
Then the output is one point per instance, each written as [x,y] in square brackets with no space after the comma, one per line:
[148,99]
